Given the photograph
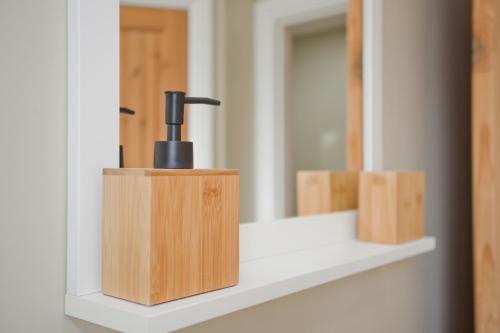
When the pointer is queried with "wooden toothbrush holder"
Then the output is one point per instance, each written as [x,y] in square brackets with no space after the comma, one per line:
[391,206]
[169,233]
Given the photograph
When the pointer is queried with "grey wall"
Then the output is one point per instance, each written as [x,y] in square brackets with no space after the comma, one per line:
[380,301]
[427,126]
[429,130]
[318,100]
[316,120]
[236,17]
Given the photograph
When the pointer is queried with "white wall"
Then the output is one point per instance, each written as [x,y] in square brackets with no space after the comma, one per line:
[33,168]
[429,294]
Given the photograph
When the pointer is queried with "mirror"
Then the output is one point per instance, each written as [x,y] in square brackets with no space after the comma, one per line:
[277,118]
[315,118]
[153,59]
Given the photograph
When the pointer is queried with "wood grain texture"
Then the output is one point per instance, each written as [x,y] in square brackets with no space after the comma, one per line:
[195,236]
[313,193]
[169,172]
[189,234]
[355,85]
[153,59]
[391,206]
[323,191]
[126,237]
[486,164]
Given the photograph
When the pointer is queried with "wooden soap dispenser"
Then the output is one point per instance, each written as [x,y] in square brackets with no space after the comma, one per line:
[172,231]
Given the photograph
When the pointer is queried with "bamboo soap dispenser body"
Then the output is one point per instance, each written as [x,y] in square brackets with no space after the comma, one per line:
[172,231]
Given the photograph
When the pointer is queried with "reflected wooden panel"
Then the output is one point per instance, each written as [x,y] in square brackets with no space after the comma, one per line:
[153,59]
[355,85]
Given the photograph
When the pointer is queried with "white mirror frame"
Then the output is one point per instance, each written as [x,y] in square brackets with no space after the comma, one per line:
[93,127]
[272,19]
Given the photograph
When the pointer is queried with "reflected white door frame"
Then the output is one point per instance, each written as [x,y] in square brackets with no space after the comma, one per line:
[372,84]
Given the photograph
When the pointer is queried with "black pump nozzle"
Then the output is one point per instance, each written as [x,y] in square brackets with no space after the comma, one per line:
[174,111]
[174,153]
[130,112]
[126,111]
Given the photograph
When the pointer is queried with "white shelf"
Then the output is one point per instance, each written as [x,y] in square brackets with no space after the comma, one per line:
[261,280]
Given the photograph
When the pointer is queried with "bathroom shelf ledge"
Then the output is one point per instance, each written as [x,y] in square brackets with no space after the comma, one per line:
[261,280]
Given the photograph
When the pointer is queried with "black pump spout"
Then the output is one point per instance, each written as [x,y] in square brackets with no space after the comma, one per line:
[174,153]
[174,111]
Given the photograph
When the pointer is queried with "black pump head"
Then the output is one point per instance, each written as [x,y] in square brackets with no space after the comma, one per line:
[174,153]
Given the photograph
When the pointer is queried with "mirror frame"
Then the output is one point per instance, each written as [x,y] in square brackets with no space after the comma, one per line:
[93,126]
[93,120]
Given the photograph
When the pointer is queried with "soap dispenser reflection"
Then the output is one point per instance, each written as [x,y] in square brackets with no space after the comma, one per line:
[174,153]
